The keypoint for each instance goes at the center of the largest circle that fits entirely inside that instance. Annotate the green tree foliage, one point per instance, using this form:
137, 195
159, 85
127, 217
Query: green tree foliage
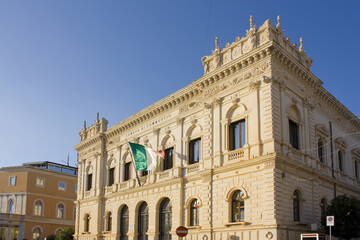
346, 212
66, 234
51, 237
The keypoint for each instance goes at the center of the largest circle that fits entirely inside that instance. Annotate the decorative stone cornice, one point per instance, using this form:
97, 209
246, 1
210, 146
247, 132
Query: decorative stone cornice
244, 55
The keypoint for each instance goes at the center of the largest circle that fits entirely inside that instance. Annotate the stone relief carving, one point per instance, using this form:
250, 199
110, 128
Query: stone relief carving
213, 91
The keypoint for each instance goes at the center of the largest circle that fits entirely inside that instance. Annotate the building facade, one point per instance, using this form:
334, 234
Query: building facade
255, 149
36, 200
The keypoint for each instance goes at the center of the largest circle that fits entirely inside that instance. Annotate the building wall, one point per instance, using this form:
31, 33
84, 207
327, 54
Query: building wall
25, 193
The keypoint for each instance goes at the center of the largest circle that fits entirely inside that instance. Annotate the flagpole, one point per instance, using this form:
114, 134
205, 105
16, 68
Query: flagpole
137, 177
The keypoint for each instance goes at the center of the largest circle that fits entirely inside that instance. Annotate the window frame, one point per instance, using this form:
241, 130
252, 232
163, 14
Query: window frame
341, 160
39, 232
196, 142
296, 205
356, 169
241, 134
40, 185
321, 150
87, 223
111, 177
63, 189
36, 208
194, 208
127, 171
124, 222
57, 211
241, 206
108, 222
89, 177
294, 134
10, 181
167, 163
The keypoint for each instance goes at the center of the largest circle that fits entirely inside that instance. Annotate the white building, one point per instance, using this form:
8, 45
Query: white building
255, 149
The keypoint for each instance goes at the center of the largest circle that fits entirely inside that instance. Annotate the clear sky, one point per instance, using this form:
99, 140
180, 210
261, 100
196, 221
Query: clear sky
61, 62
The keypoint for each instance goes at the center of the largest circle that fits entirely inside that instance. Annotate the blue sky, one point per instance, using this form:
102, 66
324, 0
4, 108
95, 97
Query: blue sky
61, 62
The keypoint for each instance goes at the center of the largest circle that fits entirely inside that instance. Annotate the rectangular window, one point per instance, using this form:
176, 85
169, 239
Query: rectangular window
89, 182
111, 176
54, 168
127, 171
61, 186
168, 160
40, 182
237, 135
75, 188
195, 151
12, 181
321, 150
294, 134
356, 170
341, 160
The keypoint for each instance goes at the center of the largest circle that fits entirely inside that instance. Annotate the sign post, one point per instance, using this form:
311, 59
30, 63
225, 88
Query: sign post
181, 231
330, 221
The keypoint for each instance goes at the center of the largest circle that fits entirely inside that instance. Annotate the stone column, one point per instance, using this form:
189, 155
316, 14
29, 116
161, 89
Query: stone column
216, 143
120, 165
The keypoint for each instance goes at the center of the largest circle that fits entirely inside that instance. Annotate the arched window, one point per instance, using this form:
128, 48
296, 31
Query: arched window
108, 224
296, 206
124, 223
58, 230
86, 222
11, 206
38, 208
36, 235
194, 212
321, 151
165, 216
143, 221
323, 206
60, 211
237, 206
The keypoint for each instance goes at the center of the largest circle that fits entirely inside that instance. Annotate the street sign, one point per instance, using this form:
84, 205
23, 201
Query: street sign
181, 231
330, 221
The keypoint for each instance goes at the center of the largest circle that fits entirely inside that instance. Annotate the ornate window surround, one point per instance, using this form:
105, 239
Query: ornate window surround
340, 148
188, 210
322, 133
293, 114
228, 199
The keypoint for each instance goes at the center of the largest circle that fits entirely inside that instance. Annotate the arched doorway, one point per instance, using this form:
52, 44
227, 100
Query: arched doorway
165, 215
143, 221
124, 223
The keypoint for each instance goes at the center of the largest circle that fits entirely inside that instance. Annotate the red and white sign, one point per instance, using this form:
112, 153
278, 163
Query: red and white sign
330, 221
181, 231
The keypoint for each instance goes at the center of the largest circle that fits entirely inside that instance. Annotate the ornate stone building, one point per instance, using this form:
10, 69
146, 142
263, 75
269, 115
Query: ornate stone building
255, 149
